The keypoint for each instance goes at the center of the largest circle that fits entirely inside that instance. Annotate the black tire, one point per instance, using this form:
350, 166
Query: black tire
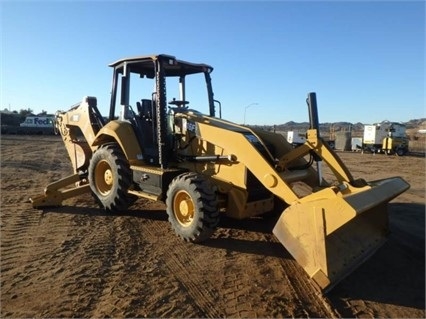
400, 151
110, 178
192, 207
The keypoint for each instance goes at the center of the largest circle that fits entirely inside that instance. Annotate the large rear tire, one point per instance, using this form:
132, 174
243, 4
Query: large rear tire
192, 207
110, 178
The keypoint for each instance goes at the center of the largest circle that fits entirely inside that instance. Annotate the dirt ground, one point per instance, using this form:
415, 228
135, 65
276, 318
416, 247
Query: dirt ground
77, 261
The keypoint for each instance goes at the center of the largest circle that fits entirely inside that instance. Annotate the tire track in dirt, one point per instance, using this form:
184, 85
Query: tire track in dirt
122, 295
16, 237
73, 262
24, 263
30, 238
134, 273
283, 290
310, 301
278, 287
50, 164
88, 256
239, 287
238, 291
203, 296
184, 266
235, 289
22, 247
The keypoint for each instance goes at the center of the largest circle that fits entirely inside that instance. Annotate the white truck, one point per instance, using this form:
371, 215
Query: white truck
38, 121
387, 137
41, 125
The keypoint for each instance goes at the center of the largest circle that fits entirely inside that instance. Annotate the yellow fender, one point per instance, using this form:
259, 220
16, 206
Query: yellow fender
122, 133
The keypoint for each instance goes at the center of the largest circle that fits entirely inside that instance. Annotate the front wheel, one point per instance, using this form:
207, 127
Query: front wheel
110, 178
192, 207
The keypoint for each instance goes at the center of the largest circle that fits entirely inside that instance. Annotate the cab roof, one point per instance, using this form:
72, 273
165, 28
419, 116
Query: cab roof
144, 65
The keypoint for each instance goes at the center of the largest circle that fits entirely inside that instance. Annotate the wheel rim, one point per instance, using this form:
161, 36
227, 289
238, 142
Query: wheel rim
104, 177
183, 208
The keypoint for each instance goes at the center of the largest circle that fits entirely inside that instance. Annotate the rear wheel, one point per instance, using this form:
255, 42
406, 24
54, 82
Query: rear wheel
192, 207
400, 151
110, 178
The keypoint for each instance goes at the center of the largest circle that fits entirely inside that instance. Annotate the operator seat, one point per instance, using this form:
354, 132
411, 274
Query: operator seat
139, 107
145, 109
146, 114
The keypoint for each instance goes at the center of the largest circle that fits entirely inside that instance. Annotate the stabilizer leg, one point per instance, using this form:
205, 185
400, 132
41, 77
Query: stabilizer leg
53, 196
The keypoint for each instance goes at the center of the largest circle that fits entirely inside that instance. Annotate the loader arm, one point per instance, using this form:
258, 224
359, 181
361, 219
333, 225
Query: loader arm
237, 140
239, 143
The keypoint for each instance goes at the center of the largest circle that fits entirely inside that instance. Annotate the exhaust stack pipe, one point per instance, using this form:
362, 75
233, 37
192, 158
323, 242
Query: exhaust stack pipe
311, 100
313, 112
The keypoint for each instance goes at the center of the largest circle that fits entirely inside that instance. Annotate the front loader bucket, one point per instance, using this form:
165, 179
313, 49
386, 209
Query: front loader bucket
331, 235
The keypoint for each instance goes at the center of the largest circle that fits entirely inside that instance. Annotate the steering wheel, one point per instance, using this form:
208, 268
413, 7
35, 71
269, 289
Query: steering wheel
178, 103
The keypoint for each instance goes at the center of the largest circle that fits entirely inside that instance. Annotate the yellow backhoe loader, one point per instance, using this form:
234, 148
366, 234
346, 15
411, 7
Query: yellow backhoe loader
202, 166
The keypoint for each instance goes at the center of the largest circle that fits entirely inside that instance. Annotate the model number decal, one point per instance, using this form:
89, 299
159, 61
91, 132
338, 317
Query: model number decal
190, 126
75, 118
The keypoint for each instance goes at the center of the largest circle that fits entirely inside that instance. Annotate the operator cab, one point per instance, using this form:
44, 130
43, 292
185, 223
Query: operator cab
146, 82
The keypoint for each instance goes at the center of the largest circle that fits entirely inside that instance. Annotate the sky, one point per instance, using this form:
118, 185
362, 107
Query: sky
364, 59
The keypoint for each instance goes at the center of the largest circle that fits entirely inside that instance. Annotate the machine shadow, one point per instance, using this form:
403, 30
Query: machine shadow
395, 274
262, 225
253, 247
156, 214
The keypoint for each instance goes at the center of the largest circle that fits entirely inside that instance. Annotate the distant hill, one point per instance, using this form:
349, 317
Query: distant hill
14, 118
328, 129
303, 126
336, 126
416, 124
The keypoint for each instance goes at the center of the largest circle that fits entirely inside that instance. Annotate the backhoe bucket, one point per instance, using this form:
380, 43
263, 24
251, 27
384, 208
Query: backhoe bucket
330, 234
